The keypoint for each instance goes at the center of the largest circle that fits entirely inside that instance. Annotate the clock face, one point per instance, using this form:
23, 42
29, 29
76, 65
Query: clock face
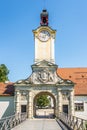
44, 35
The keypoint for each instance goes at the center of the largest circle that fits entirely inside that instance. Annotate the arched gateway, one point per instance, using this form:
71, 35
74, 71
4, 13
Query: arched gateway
50, 113
44, 78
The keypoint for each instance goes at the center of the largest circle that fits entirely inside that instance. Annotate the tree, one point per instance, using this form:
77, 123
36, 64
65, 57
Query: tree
3, 73
42, 101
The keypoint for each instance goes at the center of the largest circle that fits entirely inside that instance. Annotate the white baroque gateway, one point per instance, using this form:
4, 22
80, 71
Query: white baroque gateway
44, 78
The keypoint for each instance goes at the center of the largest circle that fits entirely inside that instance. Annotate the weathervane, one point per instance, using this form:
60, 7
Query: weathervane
44, 3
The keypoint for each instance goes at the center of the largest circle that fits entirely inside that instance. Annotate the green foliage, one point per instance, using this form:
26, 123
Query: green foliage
3, 73
42, 101
86, 124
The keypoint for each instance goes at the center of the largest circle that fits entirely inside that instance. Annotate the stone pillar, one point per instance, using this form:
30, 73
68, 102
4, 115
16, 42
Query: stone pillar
30, 105
17, 101
59, 104
72, 102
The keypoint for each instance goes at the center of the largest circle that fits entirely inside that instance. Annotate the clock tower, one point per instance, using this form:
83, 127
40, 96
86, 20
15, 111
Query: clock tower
44, 79
44, 40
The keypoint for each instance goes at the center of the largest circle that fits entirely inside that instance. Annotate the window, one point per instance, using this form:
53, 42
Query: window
79, 106
65, 109
23, 108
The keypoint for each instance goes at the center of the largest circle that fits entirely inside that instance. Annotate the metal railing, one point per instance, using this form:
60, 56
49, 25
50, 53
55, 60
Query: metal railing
9, 122
73, 123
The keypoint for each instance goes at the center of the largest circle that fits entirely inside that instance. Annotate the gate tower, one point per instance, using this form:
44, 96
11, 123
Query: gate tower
44, 78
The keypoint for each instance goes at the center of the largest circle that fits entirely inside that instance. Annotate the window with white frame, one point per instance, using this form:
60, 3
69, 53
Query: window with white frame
79, 106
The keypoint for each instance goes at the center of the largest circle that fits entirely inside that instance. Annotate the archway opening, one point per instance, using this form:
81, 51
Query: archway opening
44, 105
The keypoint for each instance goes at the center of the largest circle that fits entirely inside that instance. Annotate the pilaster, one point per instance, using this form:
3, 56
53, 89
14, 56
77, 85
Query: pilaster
52, 58
17, 101
59, 104
72, 102
30, 105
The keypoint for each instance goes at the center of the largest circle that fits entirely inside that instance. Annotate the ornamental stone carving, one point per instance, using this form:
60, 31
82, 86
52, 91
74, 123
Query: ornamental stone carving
24, 95
45, 76
65, 95
44, 72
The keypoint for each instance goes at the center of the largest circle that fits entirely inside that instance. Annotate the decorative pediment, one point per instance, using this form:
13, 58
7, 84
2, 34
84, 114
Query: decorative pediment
45, 77
44, 72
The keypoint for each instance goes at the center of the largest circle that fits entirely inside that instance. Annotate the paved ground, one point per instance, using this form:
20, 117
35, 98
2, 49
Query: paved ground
38, 124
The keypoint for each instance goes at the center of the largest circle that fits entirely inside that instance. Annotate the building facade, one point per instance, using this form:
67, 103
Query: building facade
47, 79
44, 79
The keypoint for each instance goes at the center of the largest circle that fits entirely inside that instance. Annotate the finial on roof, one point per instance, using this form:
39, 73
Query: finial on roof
44, 18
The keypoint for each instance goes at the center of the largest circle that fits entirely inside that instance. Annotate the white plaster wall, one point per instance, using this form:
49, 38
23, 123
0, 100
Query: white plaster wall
44, 50
6, 106
82, 114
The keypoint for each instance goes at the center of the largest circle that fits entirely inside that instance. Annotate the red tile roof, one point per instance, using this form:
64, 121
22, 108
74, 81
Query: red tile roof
6, 89
78, 76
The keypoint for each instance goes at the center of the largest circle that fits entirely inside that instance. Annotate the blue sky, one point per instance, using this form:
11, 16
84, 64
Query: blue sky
19, 17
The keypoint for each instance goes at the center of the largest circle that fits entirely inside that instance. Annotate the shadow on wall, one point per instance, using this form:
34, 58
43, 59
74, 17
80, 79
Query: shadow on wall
7, 101
9, 90
6, 106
